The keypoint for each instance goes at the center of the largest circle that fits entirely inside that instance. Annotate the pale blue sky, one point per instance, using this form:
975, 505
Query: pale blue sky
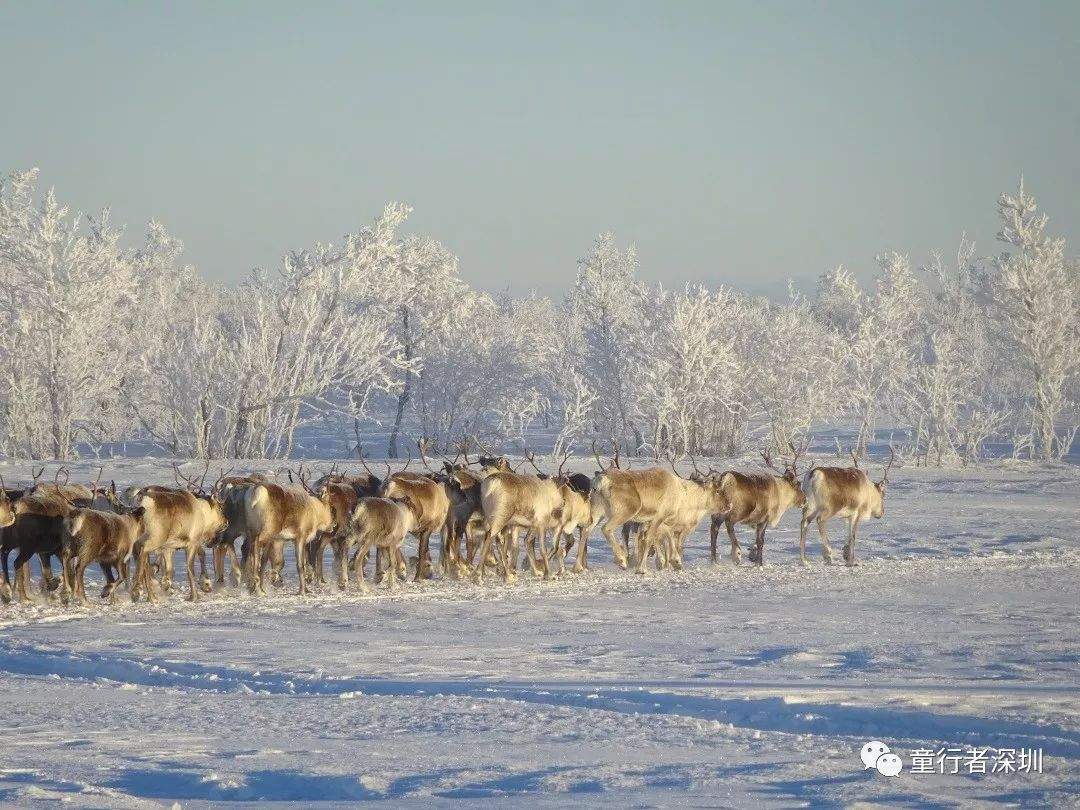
737, 143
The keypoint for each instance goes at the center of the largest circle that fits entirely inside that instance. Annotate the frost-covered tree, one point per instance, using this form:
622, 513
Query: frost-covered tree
604, 310
418, 289
300, 348
177, 384
67, 285
953, 399
1036, 302
799, 373
684, 357
876, 337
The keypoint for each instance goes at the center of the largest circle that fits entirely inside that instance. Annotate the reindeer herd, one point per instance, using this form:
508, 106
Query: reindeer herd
485, 515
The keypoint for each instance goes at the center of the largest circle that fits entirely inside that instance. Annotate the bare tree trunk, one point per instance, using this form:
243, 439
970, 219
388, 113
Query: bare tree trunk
406, 391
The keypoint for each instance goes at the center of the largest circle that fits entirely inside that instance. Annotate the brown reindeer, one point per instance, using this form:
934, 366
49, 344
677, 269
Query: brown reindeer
275, 514
175, 519
756, 500
431, 506
701, 495
382, 523
512, 502
649, 497
575, 515
107, 538
841, 492
341, 499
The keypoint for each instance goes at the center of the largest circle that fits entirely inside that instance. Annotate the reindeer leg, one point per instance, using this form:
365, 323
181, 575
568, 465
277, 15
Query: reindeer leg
759, 541
581, 565
237, 568
5, 584
617, 549
676, 552
826, 550
22, 575
80, 583
340, 547
361, 555
490, 533
807, 516
204, 582
189, 562
714, 532
849, 549
277, 570
391, 573
167, 576
423, 557
219, 563
110, 580
509, 549
301, 564
48, 582
736, 551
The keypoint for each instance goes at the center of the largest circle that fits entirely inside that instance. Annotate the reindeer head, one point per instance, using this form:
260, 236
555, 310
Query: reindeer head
790, 473
494, 464
879, 512
7, 510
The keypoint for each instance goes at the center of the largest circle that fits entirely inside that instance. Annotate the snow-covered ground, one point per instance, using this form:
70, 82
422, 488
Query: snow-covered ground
716, 686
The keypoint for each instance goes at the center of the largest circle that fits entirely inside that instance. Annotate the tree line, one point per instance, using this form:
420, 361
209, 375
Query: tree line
102, 342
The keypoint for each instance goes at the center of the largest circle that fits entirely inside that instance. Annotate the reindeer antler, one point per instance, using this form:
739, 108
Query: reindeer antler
531, 458
671, 463
795, 453
304, 478
37, 475
363, 461
892, 458
766, 456
566, 456
66, 474
422, 445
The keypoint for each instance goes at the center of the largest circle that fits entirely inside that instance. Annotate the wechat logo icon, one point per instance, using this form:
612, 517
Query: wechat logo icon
876, 754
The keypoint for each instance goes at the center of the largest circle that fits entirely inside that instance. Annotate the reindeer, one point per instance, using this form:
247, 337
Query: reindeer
465, 517
575, 515
341, 499
756, 500
650, 497
701, 495
175, 519
7, 511
276, 513
37, 529
511, 502
232, 492
382, 523
107, 538
78, 495
431, 506
841, 492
